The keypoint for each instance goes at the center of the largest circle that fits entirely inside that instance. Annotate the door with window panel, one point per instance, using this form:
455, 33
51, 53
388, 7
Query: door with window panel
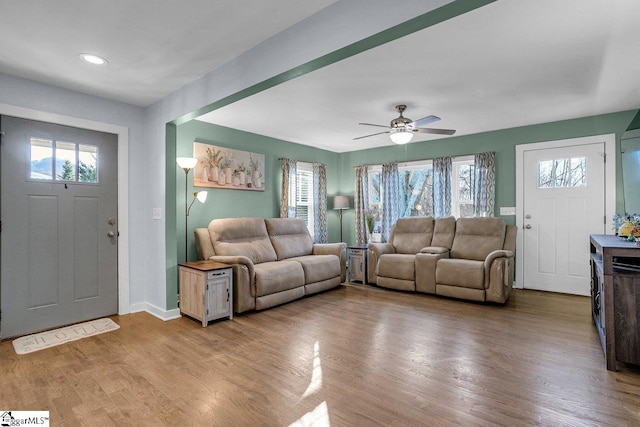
59, 225
564, 202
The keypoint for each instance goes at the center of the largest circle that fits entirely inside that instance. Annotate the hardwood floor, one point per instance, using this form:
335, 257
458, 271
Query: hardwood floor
353, 356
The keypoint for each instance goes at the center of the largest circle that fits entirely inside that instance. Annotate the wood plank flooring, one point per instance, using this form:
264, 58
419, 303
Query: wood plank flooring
353, 356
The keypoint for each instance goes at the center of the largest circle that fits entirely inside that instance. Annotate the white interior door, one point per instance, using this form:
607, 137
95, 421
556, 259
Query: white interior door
59, 225
564, 202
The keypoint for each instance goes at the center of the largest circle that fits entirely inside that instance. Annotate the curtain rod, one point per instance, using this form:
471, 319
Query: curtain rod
422, 160
303, 161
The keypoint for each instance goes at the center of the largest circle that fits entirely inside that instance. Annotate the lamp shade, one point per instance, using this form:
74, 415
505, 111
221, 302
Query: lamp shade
186, 162
341, 202
201, 196
401, 136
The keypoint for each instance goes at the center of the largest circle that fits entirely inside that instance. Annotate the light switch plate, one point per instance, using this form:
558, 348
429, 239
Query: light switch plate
507, 211
157, 213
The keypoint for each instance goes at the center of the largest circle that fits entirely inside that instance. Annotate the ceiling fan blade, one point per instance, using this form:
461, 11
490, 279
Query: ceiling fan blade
425, 121
435, 131
371, 124
373, 134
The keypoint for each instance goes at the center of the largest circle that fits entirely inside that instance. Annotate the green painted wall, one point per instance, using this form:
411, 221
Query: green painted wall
635, 123
503, 142
223, 203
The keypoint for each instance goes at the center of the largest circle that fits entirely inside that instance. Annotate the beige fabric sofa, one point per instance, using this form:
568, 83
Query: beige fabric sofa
468, 258
274, 260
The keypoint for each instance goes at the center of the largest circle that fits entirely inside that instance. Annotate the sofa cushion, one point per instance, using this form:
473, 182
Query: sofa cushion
412, 234
278, 276
319, 267
476, 237
397, 266
460, 272
289, 237
242, 236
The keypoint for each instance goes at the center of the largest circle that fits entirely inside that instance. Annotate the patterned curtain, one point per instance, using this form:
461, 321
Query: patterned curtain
442, 177
361, 202
288, 201
484, 190
390, 183
320, 232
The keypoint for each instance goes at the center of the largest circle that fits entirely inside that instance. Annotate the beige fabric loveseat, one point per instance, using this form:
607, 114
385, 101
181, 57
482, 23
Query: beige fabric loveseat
468, 258
274, 260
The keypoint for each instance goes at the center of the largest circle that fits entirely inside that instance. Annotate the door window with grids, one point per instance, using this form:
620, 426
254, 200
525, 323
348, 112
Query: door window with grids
567, 172
53, 160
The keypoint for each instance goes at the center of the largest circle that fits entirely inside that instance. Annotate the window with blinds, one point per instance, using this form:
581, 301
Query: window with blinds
304, 194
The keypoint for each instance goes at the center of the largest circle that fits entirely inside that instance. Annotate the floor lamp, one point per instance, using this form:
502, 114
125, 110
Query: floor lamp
340, 203
188, 163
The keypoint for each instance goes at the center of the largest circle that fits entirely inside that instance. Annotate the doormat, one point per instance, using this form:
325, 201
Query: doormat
42, 340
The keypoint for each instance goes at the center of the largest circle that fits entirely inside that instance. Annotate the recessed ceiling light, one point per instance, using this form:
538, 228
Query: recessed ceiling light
93, 59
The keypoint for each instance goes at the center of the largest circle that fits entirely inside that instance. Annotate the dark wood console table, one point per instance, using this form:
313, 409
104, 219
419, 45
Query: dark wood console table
615, 298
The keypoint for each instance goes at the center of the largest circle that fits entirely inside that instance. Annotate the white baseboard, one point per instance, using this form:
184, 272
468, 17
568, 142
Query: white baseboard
155, 311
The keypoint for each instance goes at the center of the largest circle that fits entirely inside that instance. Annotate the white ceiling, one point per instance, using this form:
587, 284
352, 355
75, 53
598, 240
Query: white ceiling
507, 64
510, 63
153, 48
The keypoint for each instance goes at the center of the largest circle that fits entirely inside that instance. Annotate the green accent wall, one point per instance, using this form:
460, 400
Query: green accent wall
635, 123
503, 142
227, 203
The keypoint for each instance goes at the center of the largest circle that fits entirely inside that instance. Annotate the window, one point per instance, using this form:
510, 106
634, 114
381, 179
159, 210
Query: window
63, 161
303, 205
416, 179
375, 196
562, 173
462, 187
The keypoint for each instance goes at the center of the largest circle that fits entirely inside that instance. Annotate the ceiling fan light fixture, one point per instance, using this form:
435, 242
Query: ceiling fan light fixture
401, 136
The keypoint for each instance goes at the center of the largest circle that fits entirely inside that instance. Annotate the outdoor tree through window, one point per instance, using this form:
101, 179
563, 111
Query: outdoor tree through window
416, 192
63, 161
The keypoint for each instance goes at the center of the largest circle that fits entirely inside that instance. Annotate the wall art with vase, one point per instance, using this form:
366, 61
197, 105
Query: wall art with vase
221, 167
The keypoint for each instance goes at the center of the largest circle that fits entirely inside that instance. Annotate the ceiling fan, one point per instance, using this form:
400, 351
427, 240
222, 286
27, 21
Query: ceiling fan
401, 129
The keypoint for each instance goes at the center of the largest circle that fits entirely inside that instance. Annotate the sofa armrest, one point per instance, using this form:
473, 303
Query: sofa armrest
243, 281
338, 249
381, 248
426, 264
434, 250
329, 248
501, 253
376, 250
498, 276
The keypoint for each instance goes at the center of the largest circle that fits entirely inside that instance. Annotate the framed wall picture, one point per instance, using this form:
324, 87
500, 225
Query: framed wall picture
221, 167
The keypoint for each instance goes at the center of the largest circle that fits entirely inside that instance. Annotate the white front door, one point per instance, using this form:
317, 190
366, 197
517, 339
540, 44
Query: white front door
59, 225
563, 202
